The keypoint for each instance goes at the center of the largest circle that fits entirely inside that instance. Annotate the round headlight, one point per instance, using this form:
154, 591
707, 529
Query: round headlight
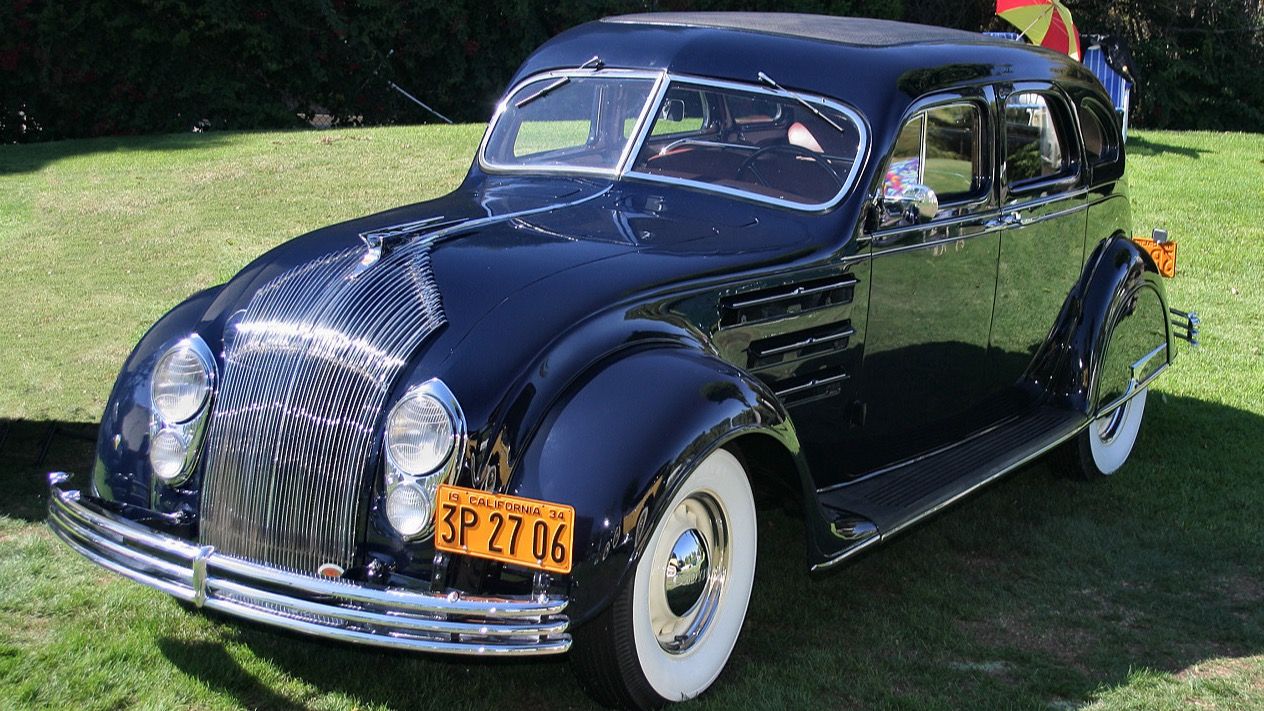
419, 435
408, 509
167, 451
181, 382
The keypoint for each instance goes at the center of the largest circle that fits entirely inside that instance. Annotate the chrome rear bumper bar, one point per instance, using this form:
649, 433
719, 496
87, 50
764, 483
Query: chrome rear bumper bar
451, 623
1187, 325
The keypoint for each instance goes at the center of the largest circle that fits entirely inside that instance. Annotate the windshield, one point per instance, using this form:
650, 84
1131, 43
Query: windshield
735, 140
763, 143
568, 122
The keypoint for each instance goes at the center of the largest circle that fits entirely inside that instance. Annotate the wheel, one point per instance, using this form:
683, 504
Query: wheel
1103, 447
669, 631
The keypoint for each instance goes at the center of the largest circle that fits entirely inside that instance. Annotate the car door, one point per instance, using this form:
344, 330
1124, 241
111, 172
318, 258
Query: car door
1043, 213
926, 376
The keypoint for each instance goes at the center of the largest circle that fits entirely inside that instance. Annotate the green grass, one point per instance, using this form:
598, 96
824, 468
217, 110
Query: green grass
1144, 591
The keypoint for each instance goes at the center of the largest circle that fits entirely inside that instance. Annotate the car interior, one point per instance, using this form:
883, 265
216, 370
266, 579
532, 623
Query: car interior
751, 142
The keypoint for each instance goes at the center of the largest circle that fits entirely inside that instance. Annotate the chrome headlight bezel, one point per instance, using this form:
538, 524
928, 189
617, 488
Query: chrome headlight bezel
400, 481
190, 430
194, 348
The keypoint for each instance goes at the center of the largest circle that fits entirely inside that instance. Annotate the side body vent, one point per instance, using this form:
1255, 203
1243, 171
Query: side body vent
780, 302
796, 337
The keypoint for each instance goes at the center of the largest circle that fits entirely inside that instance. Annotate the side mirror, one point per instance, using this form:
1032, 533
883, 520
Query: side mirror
917, 203
673, 110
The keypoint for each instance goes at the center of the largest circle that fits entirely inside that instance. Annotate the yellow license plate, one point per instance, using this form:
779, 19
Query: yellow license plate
509, 529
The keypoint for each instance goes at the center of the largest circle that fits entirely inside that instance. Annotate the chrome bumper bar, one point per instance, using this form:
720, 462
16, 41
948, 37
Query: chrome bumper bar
1187, 325
449, 623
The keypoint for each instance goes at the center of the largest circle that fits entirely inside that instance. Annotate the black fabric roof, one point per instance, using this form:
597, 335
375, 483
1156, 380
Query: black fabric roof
843, 30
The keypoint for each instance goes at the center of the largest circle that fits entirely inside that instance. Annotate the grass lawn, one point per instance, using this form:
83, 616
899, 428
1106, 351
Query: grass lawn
1145, 591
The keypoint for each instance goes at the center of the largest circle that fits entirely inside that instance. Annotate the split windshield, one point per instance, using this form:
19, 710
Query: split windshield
723, 137
573, 123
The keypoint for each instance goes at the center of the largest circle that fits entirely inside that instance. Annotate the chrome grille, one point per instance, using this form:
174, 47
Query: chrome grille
308, 367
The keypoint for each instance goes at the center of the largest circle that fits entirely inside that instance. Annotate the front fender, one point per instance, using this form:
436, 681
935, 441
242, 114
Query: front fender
121, 471
623, 438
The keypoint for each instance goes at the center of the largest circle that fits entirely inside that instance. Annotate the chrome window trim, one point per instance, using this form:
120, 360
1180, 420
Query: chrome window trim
652, 99
664, 81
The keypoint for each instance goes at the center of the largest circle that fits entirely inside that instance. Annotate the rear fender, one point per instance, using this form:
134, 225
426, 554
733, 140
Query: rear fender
1121, 322
621, 441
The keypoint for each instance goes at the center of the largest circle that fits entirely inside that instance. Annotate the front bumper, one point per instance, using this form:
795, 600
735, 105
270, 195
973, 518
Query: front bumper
450, 623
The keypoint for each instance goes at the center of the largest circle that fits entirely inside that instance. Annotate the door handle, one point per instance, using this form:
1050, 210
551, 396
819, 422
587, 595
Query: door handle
1009, 219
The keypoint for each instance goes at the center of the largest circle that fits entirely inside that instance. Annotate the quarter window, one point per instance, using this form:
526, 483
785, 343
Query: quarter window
1035, 149
1099, 141
939, 148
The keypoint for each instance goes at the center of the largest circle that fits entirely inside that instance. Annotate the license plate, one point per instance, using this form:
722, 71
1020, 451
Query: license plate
509, 529
1163, 254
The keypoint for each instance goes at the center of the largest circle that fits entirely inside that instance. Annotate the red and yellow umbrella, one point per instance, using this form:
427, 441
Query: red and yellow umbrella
1045, 22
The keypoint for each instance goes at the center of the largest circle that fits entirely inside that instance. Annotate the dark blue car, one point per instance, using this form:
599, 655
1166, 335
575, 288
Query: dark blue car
869, 265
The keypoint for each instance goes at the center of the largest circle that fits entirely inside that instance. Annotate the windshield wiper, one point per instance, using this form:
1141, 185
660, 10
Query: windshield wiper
561, 81
764, 78
595, 63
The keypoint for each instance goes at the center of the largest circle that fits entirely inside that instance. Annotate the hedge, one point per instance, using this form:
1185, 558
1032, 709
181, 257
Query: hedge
99, 67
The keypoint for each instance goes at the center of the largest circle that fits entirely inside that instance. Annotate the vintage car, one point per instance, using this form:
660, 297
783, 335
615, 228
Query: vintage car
872, 265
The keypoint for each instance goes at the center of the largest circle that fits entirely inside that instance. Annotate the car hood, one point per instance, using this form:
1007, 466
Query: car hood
516, 264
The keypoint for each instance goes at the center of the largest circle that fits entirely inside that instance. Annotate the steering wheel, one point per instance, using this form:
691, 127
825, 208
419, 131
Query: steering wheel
796, 151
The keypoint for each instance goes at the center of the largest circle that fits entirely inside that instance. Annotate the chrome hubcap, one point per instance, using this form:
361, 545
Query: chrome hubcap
686, 574
691, 563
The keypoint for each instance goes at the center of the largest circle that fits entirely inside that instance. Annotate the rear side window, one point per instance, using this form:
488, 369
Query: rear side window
1035, 148
1097, 126
941, 149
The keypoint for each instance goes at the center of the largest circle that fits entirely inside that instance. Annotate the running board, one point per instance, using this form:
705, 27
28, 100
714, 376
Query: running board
885, 502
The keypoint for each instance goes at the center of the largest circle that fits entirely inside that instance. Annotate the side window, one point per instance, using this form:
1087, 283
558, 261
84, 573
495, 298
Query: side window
1034, 149
940, 148
1100, 143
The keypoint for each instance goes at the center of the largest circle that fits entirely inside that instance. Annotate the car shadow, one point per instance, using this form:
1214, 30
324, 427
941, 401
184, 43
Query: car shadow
1138, 145
29, 449
1038, 591
211, 664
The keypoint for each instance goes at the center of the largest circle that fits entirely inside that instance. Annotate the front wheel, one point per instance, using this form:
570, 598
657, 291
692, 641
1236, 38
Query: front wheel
670, 630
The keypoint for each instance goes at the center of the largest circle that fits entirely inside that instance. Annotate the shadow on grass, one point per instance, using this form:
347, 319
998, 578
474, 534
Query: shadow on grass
1039, 591
1141, 146
214, 666
30, 157
29, 450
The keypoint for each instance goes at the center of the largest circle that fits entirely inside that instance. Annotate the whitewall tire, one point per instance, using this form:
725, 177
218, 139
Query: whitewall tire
1105, 445
670, 631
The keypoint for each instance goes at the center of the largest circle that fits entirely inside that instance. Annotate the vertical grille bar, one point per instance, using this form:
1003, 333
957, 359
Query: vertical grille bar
308, 368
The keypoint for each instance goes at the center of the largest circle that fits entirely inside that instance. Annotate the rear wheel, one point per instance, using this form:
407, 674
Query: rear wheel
671, 628
1103, 447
